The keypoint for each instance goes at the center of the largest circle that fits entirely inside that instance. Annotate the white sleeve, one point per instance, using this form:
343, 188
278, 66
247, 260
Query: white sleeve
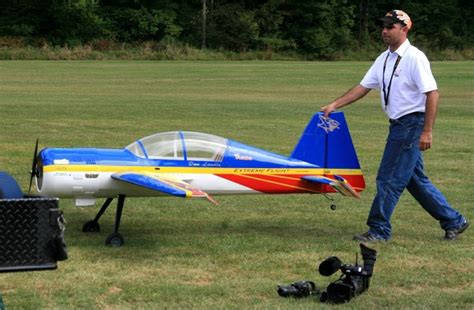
370, 79
422, 75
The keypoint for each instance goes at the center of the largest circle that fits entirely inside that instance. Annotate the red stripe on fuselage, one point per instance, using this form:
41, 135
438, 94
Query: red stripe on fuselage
273, 184
284, 184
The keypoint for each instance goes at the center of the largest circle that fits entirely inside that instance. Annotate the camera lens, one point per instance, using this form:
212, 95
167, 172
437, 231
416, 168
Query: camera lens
297, 289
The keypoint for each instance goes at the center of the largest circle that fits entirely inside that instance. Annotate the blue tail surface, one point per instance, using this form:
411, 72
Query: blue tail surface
326, 142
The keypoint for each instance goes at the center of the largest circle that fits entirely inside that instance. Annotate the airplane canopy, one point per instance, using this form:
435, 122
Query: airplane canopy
180, 145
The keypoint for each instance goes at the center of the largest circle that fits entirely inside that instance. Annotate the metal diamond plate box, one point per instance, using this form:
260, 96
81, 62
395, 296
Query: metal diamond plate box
31, 234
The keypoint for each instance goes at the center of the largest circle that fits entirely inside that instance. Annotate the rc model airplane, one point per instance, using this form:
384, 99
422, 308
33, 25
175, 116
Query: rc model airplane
194, 165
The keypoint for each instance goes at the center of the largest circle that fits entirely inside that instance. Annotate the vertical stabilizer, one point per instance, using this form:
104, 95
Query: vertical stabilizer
327, 143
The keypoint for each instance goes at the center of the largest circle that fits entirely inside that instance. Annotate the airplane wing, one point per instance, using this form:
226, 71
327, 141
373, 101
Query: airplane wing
167, 185
339, 184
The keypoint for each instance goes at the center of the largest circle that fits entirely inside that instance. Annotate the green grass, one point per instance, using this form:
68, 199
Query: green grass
191, 254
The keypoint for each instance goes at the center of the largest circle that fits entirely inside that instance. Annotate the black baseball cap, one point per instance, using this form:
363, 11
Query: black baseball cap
395, 17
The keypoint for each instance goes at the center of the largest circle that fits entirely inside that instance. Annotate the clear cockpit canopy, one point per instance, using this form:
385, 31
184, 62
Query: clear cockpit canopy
180, 145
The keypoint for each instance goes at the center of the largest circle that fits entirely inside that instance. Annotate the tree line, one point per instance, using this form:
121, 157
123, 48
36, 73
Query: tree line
315, 28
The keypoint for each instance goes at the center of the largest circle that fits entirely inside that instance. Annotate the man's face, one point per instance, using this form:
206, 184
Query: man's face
394, 34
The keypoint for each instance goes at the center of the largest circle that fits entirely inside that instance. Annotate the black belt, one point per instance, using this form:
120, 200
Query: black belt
410, 114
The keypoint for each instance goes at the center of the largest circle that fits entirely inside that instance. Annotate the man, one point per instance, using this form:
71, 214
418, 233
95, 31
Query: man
410, 100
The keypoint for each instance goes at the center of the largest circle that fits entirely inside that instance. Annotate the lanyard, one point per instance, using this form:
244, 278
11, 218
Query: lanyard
386, 92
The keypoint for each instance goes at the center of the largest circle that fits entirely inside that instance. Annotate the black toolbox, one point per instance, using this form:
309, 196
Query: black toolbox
31, 234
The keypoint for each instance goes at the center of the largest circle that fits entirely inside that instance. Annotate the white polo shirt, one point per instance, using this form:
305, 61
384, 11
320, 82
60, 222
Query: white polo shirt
411, 79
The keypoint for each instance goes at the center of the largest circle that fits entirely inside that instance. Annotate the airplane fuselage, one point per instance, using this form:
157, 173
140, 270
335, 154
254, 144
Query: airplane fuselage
86, 174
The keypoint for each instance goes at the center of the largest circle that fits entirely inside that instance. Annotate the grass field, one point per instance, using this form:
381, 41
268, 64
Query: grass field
191, 254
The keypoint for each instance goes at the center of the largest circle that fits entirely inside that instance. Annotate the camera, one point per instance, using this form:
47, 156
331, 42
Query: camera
297, 289
355, 279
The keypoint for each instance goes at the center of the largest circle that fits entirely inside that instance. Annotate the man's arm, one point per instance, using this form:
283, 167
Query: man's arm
353, 94
426, 138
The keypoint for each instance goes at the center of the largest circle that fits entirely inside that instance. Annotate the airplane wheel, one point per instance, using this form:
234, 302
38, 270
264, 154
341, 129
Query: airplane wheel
91, 226
333, 207
115, 240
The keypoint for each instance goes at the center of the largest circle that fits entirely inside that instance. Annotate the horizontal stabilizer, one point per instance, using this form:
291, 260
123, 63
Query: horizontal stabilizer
166, 185
339, 184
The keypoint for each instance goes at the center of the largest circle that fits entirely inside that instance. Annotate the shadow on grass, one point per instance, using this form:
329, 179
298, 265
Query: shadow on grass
198, 229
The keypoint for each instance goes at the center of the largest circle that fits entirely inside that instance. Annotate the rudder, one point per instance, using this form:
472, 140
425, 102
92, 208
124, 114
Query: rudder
326, 142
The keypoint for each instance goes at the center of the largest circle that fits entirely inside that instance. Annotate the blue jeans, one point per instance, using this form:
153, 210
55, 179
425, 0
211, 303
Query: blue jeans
402, 167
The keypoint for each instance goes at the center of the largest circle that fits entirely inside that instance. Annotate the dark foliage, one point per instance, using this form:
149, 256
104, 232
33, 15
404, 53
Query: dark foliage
315, 28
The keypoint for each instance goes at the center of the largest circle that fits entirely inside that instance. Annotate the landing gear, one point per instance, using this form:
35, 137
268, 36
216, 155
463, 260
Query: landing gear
333, 205
115, 239
91, 226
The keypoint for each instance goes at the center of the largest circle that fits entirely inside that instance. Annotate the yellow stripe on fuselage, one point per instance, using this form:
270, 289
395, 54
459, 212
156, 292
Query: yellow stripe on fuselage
197, 170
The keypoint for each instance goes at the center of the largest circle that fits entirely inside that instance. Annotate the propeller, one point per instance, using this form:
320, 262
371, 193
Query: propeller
34, 170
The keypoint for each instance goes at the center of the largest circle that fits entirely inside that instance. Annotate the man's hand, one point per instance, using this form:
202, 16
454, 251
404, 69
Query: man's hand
426, 139
353, 94
327, 109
